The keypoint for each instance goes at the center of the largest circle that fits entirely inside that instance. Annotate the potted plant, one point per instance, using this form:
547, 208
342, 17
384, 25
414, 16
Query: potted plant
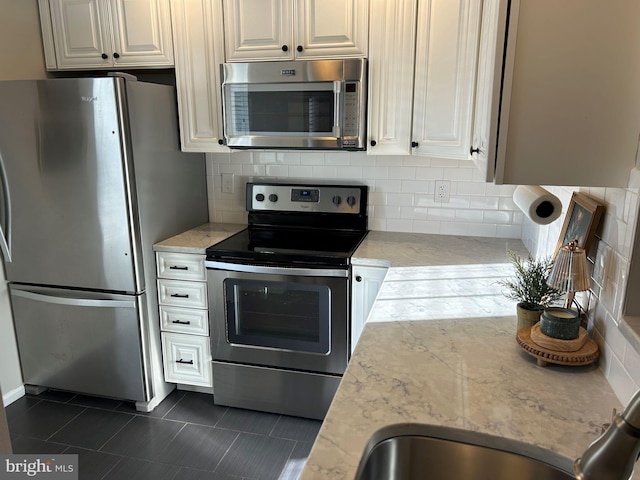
529, 287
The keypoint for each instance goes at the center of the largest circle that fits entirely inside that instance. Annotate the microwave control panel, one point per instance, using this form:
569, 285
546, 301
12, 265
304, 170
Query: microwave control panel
351, 112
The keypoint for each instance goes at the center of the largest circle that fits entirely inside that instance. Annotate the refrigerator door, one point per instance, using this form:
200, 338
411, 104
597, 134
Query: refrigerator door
63, 149
86, 342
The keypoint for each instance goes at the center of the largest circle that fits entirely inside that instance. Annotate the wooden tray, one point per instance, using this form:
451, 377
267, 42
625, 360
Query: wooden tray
557, 344
587, 354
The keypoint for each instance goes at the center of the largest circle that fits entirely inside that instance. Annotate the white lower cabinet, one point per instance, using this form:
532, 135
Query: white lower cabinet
187, 359
366, 284
184, 318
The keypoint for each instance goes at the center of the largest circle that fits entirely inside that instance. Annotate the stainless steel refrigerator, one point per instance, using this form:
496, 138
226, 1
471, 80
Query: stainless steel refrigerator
92, 175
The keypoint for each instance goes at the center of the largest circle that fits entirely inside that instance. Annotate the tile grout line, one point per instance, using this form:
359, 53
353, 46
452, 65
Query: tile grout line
84, 409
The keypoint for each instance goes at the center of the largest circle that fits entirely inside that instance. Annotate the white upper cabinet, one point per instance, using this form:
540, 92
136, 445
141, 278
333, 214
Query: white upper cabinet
295, 29
446, 56
423, 57
487, 103
106, 34
570, 109
199, 51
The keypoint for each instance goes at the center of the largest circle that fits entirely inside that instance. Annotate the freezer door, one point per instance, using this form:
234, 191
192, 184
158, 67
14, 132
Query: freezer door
62, 148
84, 342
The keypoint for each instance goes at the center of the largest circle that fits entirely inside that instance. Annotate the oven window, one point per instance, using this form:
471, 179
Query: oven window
283, 315
285, 110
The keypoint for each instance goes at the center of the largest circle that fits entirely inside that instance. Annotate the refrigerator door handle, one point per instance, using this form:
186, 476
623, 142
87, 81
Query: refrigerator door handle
5, 235
76, 302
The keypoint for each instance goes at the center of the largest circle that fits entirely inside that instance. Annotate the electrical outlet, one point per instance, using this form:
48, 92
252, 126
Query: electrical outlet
227, 183
442, 191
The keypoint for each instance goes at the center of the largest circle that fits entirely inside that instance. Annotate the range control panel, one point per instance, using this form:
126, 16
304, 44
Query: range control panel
280, 197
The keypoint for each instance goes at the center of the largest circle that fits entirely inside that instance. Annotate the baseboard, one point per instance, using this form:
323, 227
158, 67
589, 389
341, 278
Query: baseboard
12, 395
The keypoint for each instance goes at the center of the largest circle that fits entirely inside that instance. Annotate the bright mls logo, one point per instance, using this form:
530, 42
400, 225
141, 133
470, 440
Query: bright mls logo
52, 467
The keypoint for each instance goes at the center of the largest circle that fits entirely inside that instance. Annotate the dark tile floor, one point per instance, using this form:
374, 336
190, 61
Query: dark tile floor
186, 437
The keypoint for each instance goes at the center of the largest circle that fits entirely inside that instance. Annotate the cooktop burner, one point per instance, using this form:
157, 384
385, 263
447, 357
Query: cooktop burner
286, 246
298, 224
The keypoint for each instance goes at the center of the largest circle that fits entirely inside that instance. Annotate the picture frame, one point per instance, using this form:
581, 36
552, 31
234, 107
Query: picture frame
581, 222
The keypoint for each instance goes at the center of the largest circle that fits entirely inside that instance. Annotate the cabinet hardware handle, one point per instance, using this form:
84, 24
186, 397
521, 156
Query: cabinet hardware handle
285, 48
299, 48
358, 278
220, 142
473, 150
188, 362
414, 144
116, 55
180, 295
104, 56
373, 143
176, 267
181, 322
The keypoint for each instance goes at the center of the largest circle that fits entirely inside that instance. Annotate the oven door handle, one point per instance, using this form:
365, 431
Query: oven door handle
299, 272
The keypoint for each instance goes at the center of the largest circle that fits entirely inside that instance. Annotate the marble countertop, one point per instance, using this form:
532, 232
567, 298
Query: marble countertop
198, 239
439, 348
463, 373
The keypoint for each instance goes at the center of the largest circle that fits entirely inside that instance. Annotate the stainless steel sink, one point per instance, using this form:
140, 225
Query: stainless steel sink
426, 452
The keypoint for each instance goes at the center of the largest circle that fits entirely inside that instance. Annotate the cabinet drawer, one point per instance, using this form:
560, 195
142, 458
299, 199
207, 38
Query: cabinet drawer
184, 320
186, 359
182, 294
181, 266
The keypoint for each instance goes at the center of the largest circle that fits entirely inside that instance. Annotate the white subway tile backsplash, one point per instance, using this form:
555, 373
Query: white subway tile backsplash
471, 188
498, 217
325, 172
277, 170
469, 215
429, 173
401, 189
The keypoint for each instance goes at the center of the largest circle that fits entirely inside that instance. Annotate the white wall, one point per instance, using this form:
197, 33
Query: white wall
402, 190
21, 57
619, 362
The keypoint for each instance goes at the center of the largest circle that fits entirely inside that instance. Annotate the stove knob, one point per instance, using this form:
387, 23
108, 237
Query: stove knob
260, 197
351, 200
337, 200
273, 197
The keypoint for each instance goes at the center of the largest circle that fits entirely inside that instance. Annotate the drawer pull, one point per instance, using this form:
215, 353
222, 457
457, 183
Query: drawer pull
177, 267
180, 295
181, 322
188, 362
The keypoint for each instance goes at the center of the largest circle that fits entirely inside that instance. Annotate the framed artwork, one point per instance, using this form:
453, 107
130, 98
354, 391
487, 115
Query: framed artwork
581, 222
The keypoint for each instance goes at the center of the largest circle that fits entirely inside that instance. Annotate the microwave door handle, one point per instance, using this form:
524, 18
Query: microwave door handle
5, 235
337, 109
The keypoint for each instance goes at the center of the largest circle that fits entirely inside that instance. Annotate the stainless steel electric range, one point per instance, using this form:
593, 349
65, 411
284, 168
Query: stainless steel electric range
279, 294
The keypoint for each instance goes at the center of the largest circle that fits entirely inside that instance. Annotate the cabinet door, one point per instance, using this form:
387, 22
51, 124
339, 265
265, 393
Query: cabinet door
570, 112
391, 60
141, 33
81, 33
367, 281
491, 50
331, 28
258, 30
199, 51
447, 43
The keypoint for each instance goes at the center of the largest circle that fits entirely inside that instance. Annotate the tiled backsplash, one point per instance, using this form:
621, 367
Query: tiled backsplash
620, 362
402, 190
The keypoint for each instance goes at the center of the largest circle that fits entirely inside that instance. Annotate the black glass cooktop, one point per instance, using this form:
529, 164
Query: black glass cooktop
287, 247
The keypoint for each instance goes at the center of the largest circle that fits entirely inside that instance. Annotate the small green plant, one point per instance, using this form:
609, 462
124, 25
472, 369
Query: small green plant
529, 285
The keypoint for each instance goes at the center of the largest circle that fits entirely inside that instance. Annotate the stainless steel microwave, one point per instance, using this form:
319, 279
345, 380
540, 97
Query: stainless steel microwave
311, 104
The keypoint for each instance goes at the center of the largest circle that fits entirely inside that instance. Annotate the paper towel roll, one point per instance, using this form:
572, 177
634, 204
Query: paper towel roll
540, 205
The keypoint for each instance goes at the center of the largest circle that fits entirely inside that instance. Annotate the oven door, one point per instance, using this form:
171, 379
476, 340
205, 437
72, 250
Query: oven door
279, 317
283, 115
